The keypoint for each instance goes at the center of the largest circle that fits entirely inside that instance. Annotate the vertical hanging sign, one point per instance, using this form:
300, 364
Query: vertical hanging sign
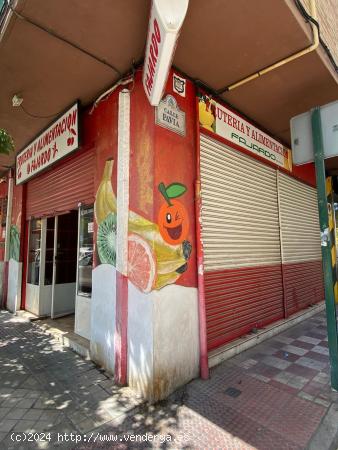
166, 19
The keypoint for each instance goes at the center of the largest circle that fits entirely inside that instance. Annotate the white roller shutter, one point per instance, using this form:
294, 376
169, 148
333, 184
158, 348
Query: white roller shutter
299, 218
300, 243
240, 233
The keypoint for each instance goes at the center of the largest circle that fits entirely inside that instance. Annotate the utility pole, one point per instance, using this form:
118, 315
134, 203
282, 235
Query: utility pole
317, 137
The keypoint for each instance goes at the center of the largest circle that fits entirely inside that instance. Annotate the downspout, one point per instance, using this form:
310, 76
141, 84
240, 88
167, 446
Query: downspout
284, 61
204, 367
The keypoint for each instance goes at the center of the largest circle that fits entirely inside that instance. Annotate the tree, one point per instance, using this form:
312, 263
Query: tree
6, 142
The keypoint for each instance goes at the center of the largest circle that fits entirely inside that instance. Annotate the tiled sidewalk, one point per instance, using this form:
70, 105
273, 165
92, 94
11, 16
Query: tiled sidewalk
274, 396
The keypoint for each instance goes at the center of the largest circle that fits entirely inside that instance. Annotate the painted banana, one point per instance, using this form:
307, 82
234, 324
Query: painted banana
105, 201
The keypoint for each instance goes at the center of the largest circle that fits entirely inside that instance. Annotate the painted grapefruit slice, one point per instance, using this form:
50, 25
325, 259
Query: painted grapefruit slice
141, 263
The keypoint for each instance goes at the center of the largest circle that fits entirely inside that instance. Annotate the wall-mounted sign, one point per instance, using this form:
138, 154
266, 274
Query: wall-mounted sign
222, 121
169, 115
57, 141
179, 84
301, 134
166, 19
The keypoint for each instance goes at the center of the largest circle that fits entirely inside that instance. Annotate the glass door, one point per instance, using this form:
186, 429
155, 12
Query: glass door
65, 257
40, 266
33, 266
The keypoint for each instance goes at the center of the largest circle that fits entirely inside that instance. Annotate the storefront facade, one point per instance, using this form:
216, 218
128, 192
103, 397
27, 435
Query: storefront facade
107, 231
260, 228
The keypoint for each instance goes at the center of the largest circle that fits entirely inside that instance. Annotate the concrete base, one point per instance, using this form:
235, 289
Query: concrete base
14, 285
244, 343
163, 345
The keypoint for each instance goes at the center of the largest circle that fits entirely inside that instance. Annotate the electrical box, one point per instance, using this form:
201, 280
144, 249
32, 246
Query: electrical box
301, 134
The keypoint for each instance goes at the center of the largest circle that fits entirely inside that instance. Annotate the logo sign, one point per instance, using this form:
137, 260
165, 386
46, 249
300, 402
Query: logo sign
169, 115
222, 121
57, 141
179, 85
166, 19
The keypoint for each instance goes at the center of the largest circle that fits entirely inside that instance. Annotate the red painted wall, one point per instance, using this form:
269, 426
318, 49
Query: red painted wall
305, 173
100, 134
159, 155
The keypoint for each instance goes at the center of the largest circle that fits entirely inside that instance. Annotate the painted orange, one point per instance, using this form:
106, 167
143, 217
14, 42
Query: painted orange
173, 222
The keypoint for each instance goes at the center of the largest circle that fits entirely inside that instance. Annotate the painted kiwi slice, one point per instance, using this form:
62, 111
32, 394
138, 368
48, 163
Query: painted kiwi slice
106, 240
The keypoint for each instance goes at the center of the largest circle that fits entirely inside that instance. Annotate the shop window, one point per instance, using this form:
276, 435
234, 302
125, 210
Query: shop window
3, 211
34, 254
49, 251
85, 261
66, 251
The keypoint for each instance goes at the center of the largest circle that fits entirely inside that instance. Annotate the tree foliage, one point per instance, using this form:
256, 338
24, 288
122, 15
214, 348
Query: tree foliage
6, 142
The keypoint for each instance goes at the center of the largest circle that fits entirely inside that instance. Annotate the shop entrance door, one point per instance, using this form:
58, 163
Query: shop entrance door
65, 262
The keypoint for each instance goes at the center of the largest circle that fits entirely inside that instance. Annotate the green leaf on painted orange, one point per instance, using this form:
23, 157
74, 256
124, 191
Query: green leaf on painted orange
175, 190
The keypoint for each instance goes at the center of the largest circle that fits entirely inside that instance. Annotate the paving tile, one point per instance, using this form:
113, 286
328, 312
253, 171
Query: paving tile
306, 396
26, 403
295, 350
16, 413
320, 349
322, 378
3, 435
313, 388
310, 363
6, 425
4, 412
276, 362
284, 339
291, 379
33, 414
310, 340
248, 363
303, 371
23, 426
261, 377
323, 402
297, 420
284, 387
301, 344
291, 357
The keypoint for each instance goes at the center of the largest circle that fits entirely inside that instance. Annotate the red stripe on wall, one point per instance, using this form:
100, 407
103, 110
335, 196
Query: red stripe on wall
121, 329
303, 284
238, 300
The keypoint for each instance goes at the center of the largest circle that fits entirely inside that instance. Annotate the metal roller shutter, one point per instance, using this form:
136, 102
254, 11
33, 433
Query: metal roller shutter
241, 241
300, 243
63, 186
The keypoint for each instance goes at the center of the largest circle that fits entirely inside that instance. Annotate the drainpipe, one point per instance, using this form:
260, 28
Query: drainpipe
204, 367
284, 61
7, 236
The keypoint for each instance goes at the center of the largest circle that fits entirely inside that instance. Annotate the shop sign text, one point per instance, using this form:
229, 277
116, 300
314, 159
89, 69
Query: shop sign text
57, 141
229, 125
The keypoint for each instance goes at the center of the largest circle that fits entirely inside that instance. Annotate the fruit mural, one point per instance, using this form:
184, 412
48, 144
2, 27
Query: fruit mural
206, 110
157, 253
